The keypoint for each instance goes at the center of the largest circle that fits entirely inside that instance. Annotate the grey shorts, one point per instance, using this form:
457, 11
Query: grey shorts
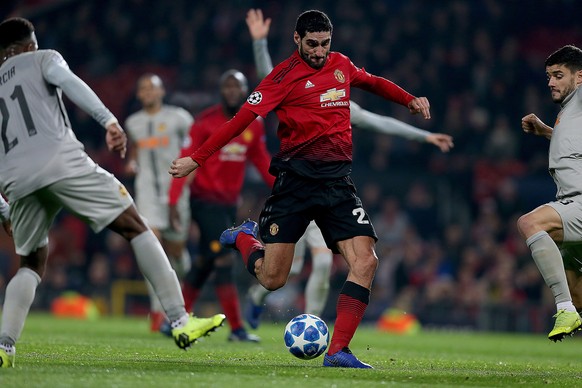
570, 211
97, 199
157, 215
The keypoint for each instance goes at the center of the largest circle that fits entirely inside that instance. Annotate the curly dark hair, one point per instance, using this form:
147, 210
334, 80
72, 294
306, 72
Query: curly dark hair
312, 21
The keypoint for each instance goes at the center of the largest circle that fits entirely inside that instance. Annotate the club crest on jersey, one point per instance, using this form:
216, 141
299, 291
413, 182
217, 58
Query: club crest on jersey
123, 191
274, 229
162, 127
309, 84
339, 76
255, 98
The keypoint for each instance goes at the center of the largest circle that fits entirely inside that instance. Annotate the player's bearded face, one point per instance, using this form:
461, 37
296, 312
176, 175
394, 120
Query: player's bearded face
314, 48
562, 81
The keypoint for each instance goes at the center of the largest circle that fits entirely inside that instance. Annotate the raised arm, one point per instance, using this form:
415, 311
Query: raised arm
364, 119
361, 118
259, 29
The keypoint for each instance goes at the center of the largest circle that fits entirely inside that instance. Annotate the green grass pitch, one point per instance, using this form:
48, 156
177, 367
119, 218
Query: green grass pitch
121, 352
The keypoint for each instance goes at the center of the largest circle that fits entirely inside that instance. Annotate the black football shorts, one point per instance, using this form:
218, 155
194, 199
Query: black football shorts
296, 200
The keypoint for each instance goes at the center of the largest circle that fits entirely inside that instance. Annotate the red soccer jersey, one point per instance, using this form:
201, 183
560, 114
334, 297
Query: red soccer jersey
221, 178
313, 110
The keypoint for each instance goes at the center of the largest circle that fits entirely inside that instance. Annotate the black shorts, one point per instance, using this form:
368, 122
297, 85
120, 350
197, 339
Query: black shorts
296, 200
212, 220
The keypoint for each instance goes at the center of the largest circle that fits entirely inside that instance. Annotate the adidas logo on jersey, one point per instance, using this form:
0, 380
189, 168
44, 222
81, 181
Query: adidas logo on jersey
308, 84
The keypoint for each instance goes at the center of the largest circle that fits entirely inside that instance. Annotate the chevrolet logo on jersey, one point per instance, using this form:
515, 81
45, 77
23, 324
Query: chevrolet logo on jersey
331, 97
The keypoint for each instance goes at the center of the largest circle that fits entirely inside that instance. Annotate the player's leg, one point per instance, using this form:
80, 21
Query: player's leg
317, 288
103, 201
179, 255
353, 300
31, 218
211, 220
228, 297
157, 315
257, 293
541, 229
347, 228
269, 263
174, 241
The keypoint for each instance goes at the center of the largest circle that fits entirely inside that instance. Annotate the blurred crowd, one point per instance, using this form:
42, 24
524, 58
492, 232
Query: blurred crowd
448, 245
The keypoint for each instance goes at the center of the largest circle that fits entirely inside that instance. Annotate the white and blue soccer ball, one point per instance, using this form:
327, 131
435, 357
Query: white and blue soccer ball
306, 336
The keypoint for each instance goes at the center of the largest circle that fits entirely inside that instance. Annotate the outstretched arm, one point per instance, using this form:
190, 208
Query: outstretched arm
181, 167
57, 72
364, 119
259, 29
532, 124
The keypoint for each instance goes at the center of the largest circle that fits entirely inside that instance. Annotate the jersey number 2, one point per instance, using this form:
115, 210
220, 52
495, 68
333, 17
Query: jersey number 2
17, 95
361, 215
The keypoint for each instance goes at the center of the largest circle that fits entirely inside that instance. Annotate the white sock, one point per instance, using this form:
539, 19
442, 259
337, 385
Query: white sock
568, 306
317, 288
180, 322
9, 349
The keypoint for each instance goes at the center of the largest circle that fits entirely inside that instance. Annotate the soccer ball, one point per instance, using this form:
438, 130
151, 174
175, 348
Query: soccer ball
306, 336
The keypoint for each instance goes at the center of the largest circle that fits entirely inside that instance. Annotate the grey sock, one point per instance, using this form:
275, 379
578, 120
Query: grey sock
18, 299
156, 268
549, 261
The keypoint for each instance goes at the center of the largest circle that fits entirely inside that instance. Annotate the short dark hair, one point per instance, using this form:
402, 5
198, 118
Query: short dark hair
15, 30
312, 21
569, 56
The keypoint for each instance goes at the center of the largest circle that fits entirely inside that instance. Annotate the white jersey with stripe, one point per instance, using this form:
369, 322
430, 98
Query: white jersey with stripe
159, 138
38, 145
565, 154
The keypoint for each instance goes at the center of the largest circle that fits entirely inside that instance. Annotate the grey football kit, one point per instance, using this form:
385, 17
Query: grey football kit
159, 139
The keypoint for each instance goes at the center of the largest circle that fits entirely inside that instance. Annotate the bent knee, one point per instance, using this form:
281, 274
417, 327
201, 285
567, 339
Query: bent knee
273, 283
526, 224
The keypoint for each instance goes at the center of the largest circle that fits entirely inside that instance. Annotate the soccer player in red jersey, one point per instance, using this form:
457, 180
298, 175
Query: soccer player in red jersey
310, 94
214, 194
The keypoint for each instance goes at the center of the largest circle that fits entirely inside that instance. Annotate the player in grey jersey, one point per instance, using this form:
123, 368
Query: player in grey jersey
317, 287
559, 223
44, 168
157, 133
